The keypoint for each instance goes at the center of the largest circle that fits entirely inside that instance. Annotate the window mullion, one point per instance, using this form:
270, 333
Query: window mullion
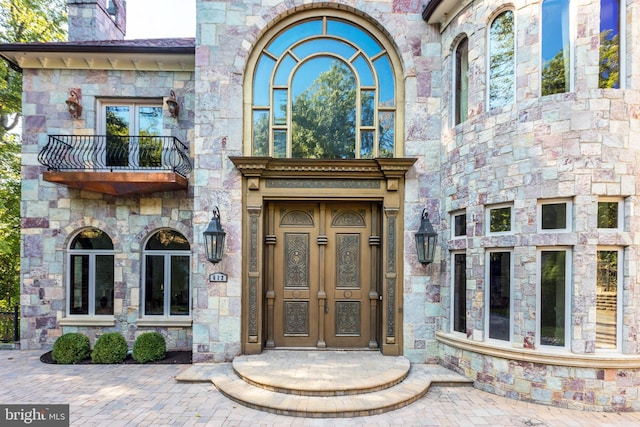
92, 285
167, 285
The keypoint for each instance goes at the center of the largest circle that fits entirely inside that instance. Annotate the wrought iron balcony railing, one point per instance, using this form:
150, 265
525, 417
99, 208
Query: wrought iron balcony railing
115, 153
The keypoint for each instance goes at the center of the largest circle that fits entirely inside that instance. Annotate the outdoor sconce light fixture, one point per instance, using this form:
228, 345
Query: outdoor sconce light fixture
426, 239
73, 104
214, 238
172, 104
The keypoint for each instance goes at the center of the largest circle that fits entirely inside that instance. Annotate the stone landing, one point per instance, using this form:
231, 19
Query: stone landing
323, 384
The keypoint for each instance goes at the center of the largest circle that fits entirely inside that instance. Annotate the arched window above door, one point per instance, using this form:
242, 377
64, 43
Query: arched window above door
324, 87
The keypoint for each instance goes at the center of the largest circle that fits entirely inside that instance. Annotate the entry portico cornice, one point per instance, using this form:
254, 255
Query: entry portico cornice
269, 167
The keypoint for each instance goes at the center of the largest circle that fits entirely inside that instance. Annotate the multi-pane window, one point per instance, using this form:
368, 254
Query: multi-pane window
609, 76
499, 219
166, 290
554, 216
610, 214
133, 131
498, 307
556, 50
459, 224
461, 82
608, 298
324, 88
553, 291
502, 60
459, 274
90, 280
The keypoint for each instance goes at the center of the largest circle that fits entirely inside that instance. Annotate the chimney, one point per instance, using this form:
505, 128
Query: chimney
92, 20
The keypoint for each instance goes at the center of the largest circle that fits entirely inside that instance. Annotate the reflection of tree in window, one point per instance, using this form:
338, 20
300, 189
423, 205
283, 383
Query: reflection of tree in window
607, 299
609, 76
324, 114
607, 214
501, 60
500, 220
555, 47
461, 93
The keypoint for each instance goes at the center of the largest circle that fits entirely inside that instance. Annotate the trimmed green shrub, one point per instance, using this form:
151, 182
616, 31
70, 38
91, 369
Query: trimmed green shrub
149, 347
71, 348
110, 348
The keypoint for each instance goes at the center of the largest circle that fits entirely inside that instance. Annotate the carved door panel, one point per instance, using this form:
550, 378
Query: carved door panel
323, 276
348, 276
295, 274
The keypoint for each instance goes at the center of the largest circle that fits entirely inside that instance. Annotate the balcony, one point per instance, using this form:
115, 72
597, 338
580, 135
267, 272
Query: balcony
117, 165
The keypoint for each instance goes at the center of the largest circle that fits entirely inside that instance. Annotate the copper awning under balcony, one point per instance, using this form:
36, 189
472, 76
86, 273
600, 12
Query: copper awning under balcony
117, 165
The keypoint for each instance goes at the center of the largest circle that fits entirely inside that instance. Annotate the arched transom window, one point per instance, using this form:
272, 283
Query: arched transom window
324, 88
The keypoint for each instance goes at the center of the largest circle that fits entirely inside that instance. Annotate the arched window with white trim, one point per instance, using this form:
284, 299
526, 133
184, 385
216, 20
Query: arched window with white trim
91, 274
166, 280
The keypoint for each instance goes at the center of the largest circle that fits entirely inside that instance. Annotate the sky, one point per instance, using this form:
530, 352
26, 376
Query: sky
152, 19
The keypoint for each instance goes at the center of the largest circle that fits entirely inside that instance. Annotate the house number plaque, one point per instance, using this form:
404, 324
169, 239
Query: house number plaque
218, 277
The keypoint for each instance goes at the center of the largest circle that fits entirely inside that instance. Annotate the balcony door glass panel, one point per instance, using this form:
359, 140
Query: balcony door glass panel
132, 135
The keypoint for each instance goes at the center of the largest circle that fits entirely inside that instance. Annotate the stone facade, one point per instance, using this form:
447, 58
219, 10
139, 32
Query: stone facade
577, 146
53, 214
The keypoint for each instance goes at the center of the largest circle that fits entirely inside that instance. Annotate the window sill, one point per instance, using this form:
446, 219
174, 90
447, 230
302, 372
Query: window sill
87, 321
165, 321
543, 356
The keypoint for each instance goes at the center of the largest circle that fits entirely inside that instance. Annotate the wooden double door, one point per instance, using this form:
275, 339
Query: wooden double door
322, 274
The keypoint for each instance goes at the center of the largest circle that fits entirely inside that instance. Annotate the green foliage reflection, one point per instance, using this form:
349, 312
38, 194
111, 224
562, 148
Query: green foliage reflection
324, 116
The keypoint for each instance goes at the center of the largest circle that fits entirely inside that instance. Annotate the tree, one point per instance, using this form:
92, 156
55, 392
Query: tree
25, 21
10, 221
22, 21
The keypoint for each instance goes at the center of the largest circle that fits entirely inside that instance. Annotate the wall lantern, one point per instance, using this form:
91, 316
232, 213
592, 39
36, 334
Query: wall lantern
172, 104
73, 104
426, 239
214, 238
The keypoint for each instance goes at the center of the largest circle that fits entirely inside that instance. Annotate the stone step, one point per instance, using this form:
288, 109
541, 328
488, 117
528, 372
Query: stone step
412, 388
323, 384
311, 374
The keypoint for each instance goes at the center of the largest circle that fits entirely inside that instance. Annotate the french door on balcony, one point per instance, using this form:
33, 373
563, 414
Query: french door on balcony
131, 129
